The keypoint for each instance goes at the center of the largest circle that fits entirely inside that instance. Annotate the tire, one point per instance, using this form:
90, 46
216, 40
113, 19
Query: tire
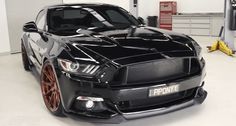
50, 90
25, 58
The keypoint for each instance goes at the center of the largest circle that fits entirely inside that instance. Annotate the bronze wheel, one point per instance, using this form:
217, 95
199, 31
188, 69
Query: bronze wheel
50, 90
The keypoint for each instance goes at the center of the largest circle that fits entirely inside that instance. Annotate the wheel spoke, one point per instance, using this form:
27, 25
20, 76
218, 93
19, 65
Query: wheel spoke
46, 83
55, 100
49, 91
52, 74
48, 76
51, 99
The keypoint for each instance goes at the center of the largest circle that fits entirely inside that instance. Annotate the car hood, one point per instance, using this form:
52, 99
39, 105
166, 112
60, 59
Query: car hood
132, 42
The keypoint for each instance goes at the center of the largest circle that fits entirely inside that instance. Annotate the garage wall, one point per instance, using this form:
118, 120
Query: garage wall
18, 13
151, 7
148, 8
122, 3
4, 37
199, 6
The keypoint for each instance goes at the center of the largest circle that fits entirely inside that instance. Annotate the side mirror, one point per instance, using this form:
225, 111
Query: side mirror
141, 20
30, 27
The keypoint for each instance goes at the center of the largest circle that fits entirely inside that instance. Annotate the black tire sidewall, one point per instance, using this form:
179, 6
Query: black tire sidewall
25, 59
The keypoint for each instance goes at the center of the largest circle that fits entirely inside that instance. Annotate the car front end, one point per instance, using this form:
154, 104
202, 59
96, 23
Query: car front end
121, 90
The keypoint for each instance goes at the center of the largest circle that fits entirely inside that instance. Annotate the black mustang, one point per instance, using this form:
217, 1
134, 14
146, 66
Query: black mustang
96, 61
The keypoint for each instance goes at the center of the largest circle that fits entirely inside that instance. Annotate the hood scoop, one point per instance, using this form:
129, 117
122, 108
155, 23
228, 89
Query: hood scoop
98, 37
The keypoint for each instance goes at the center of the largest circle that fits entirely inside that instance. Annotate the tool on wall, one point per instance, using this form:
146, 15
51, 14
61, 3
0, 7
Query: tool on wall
226, 42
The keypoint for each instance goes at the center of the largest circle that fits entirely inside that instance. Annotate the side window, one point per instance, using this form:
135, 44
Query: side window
116, 17
40, 21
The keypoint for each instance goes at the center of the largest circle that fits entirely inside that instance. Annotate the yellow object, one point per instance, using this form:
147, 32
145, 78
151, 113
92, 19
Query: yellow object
222, 46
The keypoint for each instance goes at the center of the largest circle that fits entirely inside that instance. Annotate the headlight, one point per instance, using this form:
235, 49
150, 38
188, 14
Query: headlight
198, 49
76, 68
200, 55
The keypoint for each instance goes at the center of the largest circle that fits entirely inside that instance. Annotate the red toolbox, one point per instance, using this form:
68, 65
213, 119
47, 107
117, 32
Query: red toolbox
167, 9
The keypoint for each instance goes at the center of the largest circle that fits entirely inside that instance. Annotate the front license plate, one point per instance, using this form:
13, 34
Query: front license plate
164, 90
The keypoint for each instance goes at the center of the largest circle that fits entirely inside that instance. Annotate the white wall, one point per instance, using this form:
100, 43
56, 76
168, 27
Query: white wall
199, 6
151, 7
4, 37
148, 8
121, 3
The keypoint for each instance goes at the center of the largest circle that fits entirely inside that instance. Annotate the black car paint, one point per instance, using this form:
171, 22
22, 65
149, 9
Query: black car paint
116, 49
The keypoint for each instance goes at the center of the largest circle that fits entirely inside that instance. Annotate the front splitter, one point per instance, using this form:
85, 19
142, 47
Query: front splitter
121, 117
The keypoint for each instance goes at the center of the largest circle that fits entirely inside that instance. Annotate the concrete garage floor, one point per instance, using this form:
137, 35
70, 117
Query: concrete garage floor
22, 104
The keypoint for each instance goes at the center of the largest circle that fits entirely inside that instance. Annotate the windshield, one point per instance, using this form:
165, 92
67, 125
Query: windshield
68, 20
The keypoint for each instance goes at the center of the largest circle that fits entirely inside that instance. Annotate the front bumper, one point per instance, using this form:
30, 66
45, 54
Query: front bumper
119, 117
111, 113
114, 108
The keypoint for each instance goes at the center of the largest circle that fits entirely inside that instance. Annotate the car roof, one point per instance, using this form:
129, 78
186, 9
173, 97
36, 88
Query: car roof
79, 4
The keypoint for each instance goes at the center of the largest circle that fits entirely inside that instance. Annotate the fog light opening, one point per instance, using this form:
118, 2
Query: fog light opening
89, 104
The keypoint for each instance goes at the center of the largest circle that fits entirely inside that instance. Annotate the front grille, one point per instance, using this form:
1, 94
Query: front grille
153, 71
160, 71
157, 102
